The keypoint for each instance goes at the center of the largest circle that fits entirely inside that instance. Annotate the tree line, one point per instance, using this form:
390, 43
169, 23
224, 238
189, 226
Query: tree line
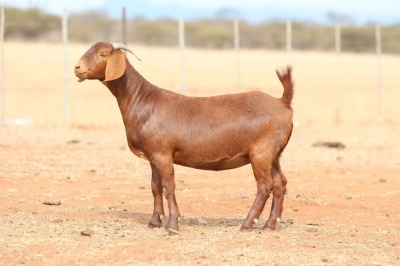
215, 33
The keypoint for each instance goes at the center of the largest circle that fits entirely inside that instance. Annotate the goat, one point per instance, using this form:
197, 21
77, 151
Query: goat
210, 133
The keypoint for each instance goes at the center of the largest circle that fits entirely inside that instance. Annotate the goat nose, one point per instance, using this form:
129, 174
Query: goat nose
77, 66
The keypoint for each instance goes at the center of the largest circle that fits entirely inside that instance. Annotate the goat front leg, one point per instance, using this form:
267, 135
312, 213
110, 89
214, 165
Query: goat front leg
156, 188
165, 168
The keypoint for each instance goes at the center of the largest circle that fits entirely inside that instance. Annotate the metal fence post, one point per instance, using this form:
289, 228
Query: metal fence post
2, 87
182, 48
237, 49
378, 40
338, 49
66, 67
289, 39
124, 34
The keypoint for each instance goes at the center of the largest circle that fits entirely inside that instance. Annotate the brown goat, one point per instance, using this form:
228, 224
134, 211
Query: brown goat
210, 133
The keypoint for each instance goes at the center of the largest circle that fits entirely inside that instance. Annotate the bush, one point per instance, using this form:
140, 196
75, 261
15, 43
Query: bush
94, 26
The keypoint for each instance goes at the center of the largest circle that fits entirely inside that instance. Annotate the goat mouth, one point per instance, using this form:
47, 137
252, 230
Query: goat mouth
81, 75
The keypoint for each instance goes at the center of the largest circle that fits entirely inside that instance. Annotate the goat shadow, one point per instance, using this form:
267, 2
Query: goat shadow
143, 218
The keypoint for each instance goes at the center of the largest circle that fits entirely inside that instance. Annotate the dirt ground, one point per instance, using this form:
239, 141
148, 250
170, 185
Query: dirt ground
76, 195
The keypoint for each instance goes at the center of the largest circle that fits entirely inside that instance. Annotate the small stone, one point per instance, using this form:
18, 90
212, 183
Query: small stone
312, 230
330, 144
125, 234
313, 224
87, 232
202, 221
52, 202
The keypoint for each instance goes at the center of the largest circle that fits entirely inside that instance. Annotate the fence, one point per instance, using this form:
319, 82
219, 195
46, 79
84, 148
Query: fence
27, 81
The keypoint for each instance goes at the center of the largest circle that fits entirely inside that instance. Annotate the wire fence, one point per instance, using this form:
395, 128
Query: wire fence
35, 77
2, 78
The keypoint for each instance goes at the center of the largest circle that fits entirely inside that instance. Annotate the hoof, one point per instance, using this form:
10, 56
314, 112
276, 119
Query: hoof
172, 227
269, 228
245, 228
270, 224
155, 224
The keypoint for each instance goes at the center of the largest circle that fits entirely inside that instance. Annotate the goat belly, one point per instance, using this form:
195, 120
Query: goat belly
216, 164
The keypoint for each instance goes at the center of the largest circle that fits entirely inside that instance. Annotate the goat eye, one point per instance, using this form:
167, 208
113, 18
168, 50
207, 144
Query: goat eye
103, 55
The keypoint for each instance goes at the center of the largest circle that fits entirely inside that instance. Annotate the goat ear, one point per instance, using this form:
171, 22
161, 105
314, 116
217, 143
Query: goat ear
116, 65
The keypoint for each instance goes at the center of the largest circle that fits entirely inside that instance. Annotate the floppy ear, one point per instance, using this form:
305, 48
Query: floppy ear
115, 65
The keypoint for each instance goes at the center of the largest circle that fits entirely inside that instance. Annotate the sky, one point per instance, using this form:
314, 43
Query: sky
358, 11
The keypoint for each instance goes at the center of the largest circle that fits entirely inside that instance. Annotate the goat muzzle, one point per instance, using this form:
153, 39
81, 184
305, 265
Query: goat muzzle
80, 72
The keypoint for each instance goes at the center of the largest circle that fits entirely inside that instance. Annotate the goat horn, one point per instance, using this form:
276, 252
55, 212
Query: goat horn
123, 47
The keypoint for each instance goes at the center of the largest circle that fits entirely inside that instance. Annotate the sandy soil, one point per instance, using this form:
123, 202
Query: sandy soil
341, 207
75, 195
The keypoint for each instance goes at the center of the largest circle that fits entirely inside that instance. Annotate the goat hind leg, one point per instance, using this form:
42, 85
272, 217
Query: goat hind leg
279, 191
265, 184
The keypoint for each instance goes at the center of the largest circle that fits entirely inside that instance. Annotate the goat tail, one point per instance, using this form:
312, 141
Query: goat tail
285, 76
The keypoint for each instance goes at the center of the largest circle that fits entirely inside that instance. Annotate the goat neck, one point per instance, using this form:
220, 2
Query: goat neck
130, 86
131, 91
130, 82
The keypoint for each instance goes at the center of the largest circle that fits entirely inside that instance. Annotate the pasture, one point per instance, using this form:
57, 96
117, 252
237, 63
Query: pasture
75, 194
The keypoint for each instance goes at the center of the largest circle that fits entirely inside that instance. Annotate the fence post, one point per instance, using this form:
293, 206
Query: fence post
66, 67
338, 49
378, 40
289, 38
2, 87
237, 49
182, 48
124, 35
